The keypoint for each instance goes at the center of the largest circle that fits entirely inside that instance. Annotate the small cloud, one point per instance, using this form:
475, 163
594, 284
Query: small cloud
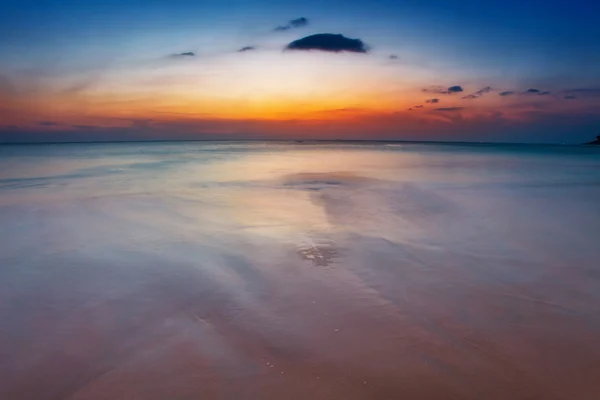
432, 101
449, 109
299, 22
292, 24
536, 92
478, 93
570, 97
247, 48
393, 57
410, 109
442, 90
183, 55
507, 93
329, 42
419, 106
47, 123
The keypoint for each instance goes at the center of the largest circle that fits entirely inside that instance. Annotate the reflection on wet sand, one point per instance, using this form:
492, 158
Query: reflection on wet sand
336, 273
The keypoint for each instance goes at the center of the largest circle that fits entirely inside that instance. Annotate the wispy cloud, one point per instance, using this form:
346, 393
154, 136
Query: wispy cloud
329, 42
507, 93
247, 48
442, 90
584, 92
478, 93
292, 24
187, 54
432, 101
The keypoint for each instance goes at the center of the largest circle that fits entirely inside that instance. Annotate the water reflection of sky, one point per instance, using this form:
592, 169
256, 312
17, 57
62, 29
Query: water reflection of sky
468, 265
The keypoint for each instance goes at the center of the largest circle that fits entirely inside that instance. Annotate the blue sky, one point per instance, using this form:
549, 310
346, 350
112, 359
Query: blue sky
47, 48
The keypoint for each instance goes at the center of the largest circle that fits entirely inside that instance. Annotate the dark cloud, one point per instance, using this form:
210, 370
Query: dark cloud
570, 97
47, 123
478, 93
449, 109
536, 92
433, 101
393, 57
410, 109
419, 106
294, 23
442, 90
247, 48
329, 42
507, 93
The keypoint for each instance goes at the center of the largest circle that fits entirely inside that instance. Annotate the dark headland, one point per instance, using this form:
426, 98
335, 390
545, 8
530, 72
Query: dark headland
597, 141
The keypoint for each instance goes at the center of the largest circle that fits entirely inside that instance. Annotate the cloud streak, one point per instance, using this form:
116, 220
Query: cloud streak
246, 48
328, 42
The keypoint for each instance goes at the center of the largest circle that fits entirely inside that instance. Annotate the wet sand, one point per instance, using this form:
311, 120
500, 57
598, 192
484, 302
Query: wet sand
281, 276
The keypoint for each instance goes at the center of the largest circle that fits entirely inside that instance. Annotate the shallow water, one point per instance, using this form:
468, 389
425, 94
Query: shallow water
299, 271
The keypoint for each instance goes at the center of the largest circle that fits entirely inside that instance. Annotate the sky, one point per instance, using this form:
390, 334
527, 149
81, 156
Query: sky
492, 71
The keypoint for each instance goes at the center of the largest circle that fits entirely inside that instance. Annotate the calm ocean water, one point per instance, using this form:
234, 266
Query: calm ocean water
251, 270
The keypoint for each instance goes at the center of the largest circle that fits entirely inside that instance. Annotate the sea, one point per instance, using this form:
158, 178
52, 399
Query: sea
299, 270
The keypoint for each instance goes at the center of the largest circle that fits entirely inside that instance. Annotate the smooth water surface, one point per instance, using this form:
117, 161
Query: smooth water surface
299, 271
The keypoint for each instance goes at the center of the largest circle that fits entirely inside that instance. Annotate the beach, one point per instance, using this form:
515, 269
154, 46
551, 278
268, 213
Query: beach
270, 270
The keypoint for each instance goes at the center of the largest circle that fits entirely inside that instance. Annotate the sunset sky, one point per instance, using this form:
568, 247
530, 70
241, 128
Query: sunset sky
515, 71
